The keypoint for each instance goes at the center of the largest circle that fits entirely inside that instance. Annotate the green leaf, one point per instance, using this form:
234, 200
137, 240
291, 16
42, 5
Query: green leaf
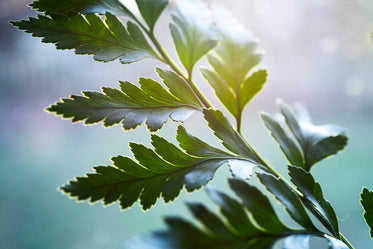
288, 198
233, 228
313, 198
288, 145
258, 205
251, 86
232, 60
163, 170
311, 144
81, 6
231, 139
106, 39
131, 106
151, 10
194, 146
178, 87
181, 234
233, 211
192, 33
226, 94
209, 220
367, 203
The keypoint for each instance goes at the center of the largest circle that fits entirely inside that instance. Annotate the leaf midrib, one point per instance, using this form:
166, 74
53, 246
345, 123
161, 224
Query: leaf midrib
136, 108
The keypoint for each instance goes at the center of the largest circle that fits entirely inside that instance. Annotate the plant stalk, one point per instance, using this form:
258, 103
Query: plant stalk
166, 59
345, 241
172, 65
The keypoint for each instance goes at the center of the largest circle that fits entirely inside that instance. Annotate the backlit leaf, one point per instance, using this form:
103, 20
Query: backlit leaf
178, 87
232, 60
81, 6
131, 105
162, 171
151, 10
106, 39
192, 32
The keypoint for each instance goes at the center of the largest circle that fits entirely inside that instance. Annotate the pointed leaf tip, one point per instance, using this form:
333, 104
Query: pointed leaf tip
151, 10
130, 106
367, 203
304, 143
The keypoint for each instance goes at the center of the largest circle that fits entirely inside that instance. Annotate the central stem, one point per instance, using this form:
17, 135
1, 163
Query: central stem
169, 62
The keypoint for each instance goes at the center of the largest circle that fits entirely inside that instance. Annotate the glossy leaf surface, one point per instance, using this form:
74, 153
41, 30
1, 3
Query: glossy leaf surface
313, 198
131, 105
106, 39
191, 30
367, 203
163, 170
307, 144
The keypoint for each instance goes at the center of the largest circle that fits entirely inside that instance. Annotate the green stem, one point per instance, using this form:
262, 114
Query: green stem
239, 117
345, 241
166, 59
172, 65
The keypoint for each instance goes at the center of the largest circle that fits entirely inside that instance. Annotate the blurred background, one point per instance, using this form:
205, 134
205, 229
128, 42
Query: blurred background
317, 52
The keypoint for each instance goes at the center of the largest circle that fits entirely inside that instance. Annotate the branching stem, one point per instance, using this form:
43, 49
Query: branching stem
166, 59
163, 56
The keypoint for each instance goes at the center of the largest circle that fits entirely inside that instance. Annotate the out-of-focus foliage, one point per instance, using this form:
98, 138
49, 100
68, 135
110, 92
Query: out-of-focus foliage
248, 221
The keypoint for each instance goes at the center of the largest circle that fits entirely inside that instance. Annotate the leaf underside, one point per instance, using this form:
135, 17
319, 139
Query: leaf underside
163, 171
132, 105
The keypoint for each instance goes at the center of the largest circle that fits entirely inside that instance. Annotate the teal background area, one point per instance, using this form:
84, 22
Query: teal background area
317, 52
